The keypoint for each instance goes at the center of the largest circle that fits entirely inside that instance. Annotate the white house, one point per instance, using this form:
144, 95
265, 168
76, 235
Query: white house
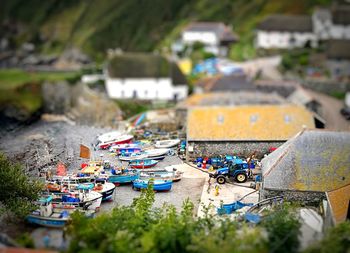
285, 32
145, 77
216, 36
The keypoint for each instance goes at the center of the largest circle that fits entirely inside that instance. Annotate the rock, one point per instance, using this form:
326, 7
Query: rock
56, 97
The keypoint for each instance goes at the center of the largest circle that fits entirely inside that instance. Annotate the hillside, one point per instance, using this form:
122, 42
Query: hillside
134, 25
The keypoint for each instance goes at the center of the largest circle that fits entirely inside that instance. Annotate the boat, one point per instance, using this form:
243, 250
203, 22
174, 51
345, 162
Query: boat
105, 188
125, 148
122, 176
92, 168
150, 153
143, 164
83, 196
166, 173
121, 139
49, 216
132, 157
167, 143
158, 184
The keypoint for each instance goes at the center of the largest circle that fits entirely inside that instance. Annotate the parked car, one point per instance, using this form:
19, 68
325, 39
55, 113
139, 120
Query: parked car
345, 112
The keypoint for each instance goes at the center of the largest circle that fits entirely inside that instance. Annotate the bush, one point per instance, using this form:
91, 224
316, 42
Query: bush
17, 191
337, 240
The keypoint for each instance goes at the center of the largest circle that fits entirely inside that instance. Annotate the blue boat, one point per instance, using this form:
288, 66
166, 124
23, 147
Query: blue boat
143, 164
122, 177
158, 185
49, 216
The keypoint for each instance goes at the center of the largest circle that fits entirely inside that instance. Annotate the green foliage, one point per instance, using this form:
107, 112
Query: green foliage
132, 107
336, 240
17, 191
26, 241
282, 226
338, 94
134, 25
143, 228
295, 60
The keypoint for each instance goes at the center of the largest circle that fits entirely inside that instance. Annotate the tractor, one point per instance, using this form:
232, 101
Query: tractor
237, 170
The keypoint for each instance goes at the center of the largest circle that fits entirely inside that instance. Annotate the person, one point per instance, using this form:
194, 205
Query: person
46, 240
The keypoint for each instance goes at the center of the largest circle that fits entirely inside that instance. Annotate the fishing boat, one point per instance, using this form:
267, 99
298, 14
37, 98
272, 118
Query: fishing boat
105, 188
92, 168
143, 164
167, 143
49, 216
122, 176
121, 139
165, 174
158, 185
125, 148
151, 153
83, 196
132, 157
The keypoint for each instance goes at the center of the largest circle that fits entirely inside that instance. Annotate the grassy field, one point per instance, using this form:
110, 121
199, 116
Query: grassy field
22, 89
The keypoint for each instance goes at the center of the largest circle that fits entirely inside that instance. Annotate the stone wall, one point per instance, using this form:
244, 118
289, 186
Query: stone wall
303, 197
327, 87
214, 148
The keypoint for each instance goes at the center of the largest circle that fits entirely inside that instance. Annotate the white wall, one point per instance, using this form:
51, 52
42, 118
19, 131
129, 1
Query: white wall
145, 88
340, 32
207, 38
283, 40
339, 68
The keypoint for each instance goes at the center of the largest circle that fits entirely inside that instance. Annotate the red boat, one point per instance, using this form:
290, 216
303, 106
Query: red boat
122, 139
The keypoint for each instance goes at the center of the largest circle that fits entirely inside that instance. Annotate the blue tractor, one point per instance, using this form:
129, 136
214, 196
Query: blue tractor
236, 169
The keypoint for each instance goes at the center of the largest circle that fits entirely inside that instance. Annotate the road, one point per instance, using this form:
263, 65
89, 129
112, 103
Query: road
331, 111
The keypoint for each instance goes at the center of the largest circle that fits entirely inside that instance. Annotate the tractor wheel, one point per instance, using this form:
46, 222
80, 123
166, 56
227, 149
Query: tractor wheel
241, 177
221, 179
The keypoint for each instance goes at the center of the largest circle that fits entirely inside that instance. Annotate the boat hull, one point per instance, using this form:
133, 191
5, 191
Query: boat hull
164, 186
117, 142
47, 221
122, 179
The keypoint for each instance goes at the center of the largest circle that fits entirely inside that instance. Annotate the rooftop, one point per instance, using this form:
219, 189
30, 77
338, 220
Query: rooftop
313, 160
341, 14
224, 32
290, 23
338, 49
247, 123
232, 98
234, 82
143, 65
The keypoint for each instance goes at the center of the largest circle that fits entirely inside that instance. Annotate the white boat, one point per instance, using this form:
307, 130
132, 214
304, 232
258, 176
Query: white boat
156, 152
109, 136
167, 143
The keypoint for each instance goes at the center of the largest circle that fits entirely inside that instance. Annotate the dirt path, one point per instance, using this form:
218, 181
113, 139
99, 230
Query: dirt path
331, 112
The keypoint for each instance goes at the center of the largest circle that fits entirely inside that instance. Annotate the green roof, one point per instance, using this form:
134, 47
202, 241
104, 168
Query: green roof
141, 65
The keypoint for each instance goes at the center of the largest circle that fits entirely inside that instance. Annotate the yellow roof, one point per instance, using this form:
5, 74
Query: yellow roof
339, 202
247, 123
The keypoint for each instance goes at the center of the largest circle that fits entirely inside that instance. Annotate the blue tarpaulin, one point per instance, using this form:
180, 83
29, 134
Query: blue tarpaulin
230, 208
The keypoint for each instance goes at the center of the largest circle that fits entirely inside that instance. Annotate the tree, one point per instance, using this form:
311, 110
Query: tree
17, 190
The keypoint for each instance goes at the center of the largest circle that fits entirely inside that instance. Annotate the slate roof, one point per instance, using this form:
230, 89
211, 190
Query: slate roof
313, 160
247, 123
232, 99
286, 23
143, 65
341, 15
338, 49
235, 82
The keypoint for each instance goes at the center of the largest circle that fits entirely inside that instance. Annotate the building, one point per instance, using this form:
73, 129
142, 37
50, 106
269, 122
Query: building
338, 58
221, 83
285, 32
145, 77
333, 23
283, 87
219, 130
313, 168
215, 36
302, 97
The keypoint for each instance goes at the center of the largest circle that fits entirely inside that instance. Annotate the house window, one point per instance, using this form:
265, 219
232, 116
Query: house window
287, 118
220, 119
175, 96
134, 94
156, 94
146, 93
122, 94
253, 118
